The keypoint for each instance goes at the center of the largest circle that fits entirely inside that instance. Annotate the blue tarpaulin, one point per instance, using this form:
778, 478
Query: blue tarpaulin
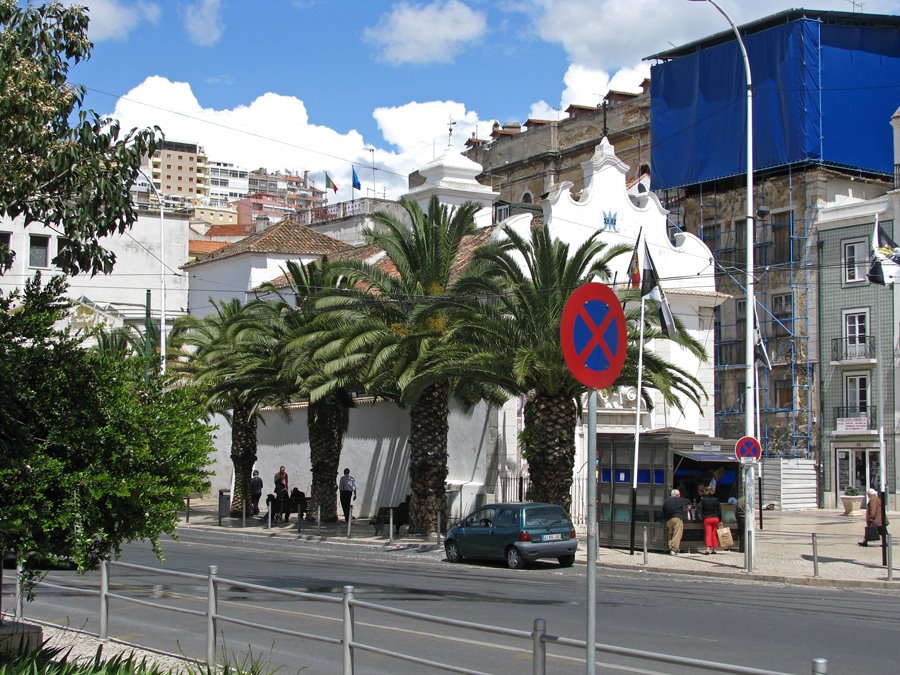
822, 92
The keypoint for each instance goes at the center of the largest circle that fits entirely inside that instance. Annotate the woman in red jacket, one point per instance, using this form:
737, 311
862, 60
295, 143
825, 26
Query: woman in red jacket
711, 512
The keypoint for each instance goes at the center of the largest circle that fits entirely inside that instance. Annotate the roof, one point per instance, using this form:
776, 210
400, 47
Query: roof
287, 237
230, 230
202, 247
788, 15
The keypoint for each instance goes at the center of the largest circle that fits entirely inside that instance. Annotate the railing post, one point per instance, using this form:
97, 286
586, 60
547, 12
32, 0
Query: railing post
104, 600
318, 520
890, 561
815, 555
349, 521
244, 512
348, 630
646, 558
211, 611
439, 528
269, 515
299, 519
539, 647
819, 666
20, 594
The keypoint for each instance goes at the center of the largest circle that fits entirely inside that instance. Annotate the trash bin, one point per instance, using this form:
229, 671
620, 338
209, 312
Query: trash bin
224, 503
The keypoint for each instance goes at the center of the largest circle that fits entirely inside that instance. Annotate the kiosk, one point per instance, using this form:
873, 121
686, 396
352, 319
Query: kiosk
667, 458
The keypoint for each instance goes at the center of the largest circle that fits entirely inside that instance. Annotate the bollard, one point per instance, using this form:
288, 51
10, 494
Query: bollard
318, 520
819, 666
244, 512
348, 630
539, 647
211, 611
646, 560
269, 516
104, 601
299, 520
890, 562
349, 521
391, 527
439, 528
20, 593
815, 556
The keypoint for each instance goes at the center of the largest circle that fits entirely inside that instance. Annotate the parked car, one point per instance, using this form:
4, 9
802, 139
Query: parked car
517, 533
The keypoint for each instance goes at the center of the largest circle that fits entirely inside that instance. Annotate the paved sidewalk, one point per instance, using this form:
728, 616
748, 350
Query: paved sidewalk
784, 547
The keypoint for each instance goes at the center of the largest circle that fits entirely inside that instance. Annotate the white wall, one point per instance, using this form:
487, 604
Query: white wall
375, 450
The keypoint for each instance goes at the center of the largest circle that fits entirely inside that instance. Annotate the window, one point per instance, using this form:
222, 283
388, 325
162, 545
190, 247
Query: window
781, 234
856, 394
501, 212
856, 259
783, 393
6, 240
783, 310
39, 251
62, 243
855, 332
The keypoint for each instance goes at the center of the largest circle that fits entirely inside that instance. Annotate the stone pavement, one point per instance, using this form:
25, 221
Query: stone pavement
784, 547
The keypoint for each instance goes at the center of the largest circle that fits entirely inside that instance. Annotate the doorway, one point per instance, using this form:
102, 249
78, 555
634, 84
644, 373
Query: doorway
859, 468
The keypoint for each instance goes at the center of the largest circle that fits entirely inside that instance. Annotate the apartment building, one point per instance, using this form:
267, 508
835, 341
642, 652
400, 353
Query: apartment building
180, 170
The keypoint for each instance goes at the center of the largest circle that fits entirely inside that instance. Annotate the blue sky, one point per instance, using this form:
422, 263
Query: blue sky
324, 85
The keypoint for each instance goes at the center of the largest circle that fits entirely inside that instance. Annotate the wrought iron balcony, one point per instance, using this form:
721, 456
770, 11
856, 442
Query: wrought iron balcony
855, 418
853, 349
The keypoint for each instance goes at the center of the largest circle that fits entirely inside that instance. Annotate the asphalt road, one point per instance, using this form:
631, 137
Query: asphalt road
761, 625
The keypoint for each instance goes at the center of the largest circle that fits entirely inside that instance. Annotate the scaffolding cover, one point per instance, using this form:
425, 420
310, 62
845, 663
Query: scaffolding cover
822, 92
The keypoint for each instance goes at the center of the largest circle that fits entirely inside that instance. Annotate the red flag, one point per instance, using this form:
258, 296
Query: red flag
330, 183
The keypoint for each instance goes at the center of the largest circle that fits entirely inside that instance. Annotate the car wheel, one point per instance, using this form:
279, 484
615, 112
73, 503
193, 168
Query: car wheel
514, 559
453, 554
566, 560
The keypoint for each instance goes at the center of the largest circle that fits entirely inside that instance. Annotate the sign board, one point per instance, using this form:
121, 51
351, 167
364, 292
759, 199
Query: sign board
748, 449
593, 335
852, 424
707, 447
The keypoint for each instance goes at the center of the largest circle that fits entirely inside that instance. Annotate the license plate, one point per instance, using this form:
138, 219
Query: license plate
552, 537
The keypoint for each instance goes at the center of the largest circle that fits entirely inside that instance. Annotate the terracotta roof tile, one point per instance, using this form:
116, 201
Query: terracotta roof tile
201, 246
230, 230
285, 237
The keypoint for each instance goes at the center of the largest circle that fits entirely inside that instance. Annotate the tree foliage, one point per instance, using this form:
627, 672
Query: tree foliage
92, 455
61, 164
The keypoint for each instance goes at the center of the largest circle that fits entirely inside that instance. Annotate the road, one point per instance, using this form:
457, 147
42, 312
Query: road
761, 625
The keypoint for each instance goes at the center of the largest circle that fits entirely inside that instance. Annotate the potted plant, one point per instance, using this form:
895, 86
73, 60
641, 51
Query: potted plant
851, 499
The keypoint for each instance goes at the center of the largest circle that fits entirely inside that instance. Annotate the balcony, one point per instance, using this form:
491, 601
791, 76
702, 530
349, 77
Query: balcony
853, 349
854, 419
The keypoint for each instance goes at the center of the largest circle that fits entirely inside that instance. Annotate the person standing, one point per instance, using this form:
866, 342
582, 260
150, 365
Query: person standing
711, 512
873, 515
281, 480
256, 488
673, 513
347, 488
282, 498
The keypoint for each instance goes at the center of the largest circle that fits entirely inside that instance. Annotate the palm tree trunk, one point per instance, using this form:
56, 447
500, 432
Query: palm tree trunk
327, 421
243, 456
428, 459
550, 447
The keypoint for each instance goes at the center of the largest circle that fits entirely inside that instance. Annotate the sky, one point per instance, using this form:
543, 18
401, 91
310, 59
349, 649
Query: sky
336, 85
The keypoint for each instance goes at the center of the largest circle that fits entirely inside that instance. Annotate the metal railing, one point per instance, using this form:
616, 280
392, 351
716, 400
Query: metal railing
852, 349
865, 414
538, 637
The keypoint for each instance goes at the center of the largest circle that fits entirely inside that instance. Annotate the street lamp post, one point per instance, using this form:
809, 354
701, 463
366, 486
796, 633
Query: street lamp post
162, 275
750, 311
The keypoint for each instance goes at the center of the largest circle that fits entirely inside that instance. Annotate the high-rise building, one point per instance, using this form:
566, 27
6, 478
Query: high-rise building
180, 171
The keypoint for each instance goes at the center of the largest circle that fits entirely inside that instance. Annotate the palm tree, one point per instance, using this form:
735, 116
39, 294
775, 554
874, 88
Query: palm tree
391, 320
328, 416
524, 285
231, 355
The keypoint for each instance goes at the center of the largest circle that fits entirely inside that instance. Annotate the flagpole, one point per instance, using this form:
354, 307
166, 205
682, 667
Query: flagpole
637, 424
881, 394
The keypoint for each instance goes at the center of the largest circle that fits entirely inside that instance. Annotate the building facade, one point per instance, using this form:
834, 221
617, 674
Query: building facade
180, 170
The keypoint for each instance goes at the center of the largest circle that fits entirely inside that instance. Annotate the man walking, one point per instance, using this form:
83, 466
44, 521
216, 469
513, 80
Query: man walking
673, 512
347, 487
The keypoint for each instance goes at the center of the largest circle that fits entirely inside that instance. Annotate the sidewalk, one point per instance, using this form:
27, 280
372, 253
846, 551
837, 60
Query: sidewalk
784, 547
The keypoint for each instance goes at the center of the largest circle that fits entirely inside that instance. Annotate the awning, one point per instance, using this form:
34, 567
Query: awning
706, 456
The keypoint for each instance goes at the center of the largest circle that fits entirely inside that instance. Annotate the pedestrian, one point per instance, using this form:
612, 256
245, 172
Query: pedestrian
673, 513
711, 512
873, 517
282, 498
281, 480
347, 488
256, 488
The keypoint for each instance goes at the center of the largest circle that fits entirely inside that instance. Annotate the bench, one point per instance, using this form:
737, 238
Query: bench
383, 518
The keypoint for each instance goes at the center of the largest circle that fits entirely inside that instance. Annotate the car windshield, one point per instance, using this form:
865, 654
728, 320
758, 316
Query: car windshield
544, 516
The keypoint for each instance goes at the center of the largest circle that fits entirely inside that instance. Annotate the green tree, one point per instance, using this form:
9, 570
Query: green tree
232, 356
91, 454
515, 344
60, 164
391, 321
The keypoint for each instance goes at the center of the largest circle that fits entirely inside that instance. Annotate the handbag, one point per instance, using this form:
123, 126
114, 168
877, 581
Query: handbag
725, 538
872, 533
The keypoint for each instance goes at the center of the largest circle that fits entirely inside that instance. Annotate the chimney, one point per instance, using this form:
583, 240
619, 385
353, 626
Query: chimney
895, 122
262, 223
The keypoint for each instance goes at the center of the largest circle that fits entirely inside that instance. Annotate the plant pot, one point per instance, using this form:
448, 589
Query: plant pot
851, 503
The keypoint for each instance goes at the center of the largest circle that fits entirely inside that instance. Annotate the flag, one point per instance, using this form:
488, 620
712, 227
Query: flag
650, 287
356, 183
885, 258
329, 184
634, 267
762, 356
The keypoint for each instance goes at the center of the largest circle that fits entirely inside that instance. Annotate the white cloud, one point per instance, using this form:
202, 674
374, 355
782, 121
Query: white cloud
434, 32
275, 131
203, 22
114, 20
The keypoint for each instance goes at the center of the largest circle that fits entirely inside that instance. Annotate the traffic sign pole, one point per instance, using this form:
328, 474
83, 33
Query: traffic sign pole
591, 632
749, 451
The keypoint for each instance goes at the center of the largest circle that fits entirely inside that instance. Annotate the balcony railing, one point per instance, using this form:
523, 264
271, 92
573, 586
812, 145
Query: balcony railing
853, 349
855, 418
